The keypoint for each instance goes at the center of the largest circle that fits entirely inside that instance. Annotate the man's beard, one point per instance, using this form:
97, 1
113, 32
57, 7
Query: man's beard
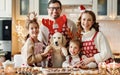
55, 17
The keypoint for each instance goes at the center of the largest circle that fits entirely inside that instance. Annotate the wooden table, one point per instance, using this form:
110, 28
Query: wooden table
62, 71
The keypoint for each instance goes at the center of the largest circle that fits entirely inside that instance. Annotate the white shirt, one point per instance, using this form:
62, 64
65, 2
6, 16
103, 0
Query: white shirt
75, 60
101, 44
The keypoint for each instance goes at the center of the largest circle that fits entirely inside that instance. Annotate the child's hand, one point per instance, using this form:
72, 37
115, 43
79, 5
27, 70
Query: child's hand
48, 49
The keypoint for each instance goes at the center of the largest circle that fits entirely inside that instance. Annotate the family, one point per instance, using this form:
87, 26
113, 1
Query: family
50, 45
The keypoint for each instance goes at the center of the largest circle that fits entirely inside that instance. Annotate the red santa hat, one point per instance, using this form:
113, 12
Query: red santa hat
82, 8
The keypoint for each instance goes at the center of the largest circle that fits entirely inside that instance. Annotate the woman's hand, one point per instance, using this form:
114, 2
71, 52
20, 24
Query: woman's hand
79, 65
87, 61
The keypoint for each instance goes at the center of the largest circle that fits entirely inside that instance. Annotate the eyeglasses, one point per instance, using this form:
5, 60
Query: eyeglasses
52, 8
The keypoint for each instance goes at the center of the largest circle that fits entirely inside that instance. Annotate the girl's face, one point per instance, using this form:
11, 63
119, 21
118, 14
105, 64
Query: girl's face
74, 49
86, 21
33, 30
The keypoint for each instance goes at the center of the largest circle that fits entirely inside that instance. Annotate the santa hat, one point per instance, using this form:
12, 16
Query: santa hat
82, 8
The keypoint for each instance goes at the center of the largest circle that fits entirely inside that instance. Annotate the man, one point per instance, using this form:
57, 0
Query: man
55, 23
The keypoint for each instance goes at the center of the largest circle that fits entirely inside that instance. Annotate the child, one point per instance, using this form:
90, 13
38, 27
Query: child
75, 57
95, 45
32, 49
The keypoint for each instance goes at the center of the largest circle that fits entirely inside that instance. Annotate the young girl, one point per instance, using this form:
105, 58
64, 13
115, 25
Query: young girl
32, 49
95, 45
75, 57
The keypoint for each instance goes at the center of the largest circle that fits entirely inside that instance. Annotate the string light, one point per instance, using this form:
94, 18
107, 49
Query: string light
21, 32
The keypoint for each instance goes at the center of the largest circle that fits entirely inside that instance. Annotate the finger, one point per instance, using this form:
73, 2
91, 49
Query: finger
82, 63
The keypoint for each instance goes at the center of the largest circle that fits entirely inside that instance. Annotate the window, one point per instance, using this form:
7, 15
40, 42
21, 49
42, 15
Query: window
43, 4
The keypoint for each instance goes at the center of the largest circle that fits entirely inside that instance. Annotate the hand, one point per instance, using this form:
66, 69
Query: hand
84, 67
48, 50
64, 51
87, 61
77, 65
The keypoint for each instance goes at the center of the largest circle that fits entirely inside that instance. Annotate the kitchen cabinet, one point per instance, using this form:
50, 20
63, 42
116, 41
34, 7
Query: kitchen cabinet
26, 6
107, 9
76, 2
5, 8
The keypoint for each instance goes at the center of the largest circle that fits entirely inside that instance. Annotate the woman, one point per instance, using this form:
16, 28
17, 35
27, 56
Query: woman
95, 44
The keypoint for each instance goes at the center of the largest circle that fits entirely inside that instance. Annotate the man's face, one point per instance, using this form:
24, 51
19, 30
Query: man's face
54, 10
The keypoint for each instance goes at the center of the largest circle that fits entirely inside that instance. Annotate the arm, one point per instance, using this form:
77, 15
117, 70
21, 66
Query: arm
86, 61
66, 62
31, 57
103, 47
47, 50
64, 51
43, 34
92, 65
89, 65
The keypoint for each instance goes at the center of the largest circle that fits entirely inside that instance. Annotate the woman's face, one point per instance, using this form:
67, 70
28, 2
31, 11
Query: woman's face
86, 21
54, 10
33, 30
74, 49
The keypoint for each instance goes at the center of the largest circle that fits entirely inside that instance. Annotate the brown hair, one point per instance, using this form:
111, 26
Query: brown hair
79, 43
30, 21
95, 25
76, 41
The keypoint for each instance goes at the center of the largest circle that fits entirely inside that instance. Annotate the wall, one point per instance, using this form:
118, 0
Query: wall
111, 29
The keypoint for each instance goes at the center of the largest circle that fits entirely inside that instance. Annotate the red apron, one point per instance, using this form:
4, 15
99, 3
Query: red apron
90, 50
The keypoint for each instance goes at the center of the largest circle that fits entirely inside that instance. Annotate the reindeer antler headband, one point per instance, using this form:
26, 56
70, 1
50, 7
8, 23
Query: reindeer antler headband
32, 16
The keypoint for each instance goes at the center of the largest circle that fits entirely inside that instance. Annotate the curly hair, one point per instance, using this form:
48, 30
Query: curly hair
95, 25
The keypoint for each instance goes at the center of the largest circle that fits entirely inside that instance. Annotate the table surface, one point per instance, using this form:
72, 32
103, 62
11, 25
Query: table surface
61, 71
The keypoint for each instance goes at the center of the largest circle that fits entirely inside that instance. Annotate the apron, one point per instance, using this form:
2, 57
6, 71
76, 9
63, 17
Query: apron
90, 50
38, 49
